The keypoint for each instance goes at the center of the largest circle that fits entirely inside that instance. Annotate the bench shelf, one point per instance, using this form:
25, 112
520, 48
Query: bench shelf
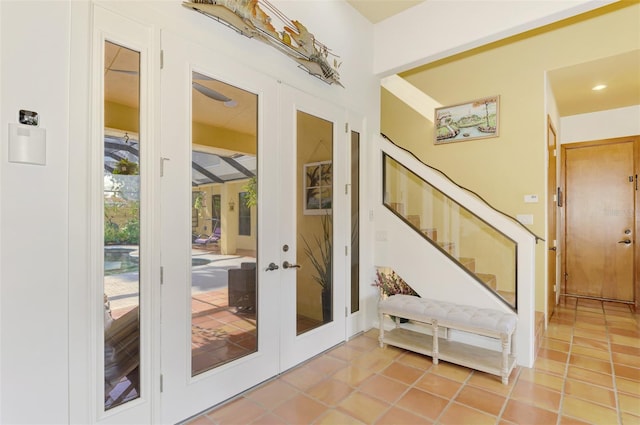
473, 357
409, 340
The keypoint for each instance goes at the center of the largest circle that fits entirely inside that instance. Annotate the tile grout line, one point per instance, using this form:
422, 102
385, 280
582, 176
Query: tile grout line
508, 396
567, 364
613, 369
451, 401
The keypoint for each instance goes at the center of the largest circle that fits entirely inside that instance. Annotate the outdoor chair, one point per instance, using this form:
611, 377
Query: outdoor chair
122, 354
242, 287
213, 238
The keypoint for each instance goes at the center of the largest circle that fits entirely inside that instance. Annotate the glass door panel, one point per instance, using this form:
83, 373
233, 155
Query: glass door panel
121, 205
224, 234
355, 222
314, 222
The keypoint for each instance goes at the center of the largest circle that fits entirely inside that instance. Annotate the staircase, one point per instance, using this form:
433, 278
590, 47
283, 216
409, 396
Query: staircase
468, 263
453, 246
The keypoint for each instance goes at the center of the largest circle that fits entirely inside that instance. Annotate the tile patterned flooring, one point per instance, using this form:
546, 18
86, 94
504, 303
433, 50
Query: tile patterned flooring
219, 334
587, 372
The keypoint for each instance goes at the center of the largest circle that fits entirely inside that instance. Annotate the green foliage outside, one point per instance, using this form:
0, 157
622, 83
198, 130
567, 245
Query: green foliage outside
122, 223
251, 190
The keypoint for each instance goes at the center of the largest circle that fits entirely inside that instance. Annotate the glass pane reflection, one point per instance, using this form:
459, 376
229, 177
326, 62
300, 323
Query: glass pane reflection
314, 283
121, 225
224, 187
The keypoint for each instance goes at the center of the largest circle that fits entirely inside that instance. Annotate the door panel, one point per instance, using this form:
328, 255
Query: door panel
122, 223
220, 305
355, 320
313, 235
224, 250
600, 216
314, 223
122, 234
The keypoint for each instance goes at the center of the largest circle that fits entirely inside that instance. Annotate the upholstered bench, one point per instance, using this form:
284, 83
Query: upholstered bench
439, 314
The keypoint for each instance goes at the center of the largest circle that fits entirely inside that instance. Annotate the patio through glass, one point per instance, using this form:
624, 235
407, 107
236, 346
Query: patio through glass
224, 202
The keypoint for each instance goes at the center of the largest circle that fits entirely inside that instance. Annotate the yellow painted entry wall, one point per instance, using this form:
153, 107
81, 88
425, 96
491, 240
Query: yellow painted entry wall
505, 168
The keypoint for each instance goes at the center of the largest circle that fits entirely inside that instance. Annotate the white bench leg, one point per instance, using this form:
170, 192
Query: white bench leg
434, 327
506, 349
381, 337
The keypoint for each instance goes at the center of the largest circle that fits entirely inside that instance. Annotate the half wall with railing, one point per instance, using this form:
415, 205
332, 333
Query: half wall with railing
451, 245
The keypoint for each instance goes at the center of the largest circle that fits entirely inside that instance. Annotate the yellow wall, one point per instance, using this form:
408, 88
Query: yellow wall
223, 138
231, 240
505, 168
314, 144
121, 117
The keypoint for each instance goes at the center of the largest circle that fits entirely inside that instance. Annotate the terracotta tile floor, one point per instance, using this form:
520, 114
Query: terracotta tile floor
219, 334
587, 372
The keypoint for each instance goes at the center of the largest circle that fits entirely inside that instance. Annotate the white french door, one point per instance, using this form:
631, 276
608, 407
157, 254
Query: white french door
269, 297
314, 231
228, 293
214, 346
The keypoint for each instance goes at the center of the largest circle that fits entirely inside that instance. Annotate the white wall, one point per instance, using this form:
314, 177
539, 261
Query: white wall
43, 208
436, 29
608, 124
33, 216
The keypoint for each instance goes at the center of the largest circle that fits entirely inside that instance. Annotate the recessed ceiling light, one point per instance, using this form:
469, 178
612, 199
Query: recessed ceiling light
599, 87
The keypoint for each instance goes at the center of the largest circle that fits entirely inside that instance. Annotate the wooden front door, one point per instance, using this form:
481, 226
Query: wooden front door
600, 184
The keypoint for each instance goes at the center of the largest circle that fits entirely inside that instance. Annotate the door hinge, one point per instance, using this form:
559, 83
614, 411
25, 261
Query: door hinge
566, 276
161, 383
346, 189
346, 311
162, 160
161, 275
161, 59
346, 127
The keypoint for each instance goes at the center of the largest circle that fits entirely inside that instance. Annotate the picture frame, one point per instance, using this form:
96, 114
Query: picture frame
476, 119
317, 188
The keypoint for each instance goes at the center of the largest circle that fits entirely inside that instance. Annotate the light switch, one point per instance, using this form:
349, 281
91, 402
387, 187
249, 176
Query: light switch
27, 144
531, 199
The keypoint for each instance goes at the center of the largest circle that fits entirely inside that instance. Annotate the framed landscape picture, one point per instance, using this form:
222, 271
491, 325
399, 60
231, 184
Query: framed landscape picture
478, 119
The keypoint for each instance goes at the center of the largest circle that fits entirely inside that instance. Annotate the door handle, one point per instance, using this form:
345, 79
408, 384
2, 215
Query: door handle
626, 241
272, 266
288, 265
553, 248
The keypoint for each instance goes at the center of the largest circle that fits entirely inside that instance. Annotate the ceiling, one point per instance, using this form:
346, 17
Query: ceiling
379, 10
122, 79
571, 85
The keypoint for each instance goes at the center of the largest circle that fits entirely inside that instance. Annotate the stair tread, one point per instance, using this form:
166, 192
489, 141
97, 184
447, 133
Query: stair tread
468, 262
489, 279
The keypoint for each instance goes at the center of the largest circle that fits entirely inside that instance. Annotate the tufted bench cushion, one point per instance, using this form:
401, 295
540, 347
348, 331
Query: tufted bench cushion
448, 314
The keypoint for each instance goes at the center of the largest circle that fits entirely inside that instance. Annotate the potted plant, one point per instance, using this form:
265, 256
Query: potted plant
320, 255
392, 284
126, 167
